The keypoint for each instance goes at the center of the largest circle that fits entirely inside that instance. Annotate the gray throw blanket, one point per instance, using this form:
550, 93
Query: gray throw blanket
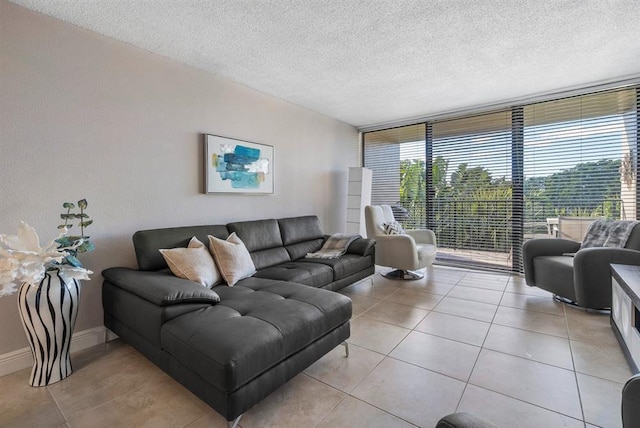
334, 247
608, 233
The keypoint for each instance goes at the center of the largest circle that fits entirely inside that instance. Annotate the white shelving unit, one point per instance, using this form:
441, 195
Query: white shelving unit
358, 196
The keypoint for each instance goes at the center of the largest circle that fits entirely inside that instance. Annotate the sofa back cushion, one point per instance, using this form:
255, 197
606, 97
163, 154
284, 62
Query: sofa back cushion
258, 234
147, 243
301, 235
263, 240
270, 242
299, 229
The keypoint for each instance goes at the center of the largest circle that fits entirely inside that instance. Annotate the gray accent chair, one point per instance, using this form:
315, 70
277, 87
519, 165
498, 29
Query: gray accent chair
579, 276
630, 403
464, 420
416, 249
630, 411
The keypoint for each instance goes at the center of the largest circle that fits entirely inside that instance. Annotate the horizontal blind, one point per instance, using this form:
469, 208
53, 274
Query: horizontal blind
579, 163
397, 159
472, 183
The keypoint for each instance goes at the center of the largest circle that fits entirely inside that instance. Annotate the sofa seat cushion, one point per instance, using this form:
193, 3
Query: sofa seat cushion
345, 265
556, 273
301, 272
258, 324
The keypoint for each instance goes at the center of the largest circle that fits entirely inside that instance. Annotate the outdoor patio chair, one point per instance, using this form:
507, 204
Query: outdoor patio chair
573, 228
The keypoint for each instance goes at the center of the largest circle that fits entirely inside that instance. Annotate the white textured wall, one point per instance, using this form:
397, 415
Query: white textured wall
82, 115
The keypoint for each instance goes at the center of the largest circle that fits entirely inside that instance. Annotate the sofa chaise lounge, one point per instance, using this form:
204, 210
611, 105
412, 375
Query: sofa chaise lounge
232, 346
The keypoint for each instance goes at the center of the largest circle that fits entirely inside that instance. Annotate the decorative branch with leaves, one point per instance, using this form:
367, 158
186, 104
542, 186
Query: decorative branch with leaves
80, 243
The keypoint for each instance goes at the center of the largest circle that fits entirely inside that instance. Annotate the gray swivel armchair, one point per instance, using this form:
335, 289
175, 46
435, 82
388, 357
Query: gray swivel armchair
574, 275
413, 250
630, 400
464, 420
630, 411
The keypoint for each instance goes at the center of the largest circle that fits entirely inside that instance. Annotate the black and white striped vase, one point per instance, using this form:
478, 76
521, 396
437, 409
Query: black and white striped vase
48, 311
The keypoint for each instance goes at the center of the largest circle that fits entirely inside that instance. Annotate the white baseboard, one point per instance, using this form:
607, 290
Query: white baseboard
22, 359
110, 335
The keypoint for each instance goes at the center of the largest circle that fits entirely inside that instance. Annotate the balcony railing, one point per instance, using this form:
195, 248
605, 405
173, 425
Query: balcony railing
480, 230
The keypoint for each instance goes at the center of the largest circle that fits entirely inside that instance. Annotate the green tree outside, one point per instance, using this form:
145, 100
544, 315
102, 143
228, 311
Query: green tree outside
473, 209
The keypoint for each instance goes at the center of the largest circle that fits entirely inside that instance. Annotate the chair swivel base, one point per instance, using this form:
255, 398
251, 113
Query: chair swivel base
565, 300
570, 302
405, 275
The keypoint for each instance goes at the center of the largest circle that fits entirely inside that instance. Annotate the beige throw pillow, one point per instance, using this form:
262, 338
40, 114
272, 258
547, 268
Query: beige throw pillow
232, 257
193, 263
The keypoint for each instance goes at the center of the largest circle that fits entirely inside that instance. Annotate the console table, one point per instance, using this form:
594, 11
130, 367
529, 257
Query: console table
625, 310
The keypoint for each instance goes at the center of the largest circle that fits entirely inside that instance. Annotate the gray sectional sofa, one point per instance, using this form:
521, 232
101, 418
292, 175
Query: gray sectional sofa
232, 346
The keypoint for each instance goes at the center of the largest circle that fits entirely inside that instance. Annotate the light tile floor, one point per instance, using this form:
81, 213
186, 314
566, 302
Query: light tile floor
457, 340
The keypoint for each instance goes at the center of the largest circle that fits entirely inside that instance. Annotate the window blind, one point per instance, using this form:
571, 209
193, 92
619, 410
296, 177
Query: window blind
579, 162
472, 183
397, 159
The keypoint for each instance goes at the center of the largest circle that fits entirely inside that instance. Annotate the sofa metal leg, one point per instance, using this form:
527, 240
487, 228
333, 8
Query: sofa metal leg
346, 347
234, 423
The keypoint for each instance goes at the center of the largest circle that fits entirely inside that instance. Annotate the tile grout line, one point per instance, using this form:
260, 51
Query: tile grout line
527, 402
475, 363
573, 361
413, 329
526, 359
349, 394
482, 347
334, 407
53, 397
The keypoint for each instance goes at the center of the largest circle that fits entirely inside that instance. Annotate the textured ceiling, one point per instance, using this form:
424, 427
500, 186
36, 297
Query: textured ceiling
371, 62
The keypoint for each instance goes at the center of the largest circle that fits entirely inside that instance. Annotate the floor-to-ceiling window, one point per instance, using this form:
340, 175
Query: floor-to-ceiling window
486, 183
579, 162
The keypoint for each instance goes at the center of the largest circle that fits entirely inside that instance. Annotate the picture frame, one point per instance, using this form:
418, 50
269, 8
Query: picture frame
237, 166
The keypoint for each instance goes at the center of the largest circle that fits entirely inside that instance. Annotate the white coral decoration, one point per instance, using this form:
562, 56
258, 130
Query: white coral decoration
22, 259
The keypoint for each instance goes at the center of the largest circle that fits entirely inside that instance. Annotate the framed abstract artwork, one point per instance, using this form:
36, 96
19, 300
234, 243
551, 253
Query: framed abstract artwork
235, 166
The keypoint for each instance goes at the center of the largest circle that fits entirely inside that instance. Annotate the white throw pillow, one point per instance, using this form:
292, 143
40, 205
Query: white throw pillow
193, 263
232, 257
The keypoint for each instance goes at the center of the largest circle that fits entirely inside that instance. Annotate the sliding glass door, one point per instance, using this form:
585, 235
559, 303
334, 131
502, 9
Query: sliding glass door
472, 189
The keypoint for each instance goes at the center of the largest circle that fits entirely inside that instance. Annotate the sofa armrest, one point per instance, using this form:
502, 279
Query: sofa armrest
361, 247
591, 270
544, 247
159, 288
